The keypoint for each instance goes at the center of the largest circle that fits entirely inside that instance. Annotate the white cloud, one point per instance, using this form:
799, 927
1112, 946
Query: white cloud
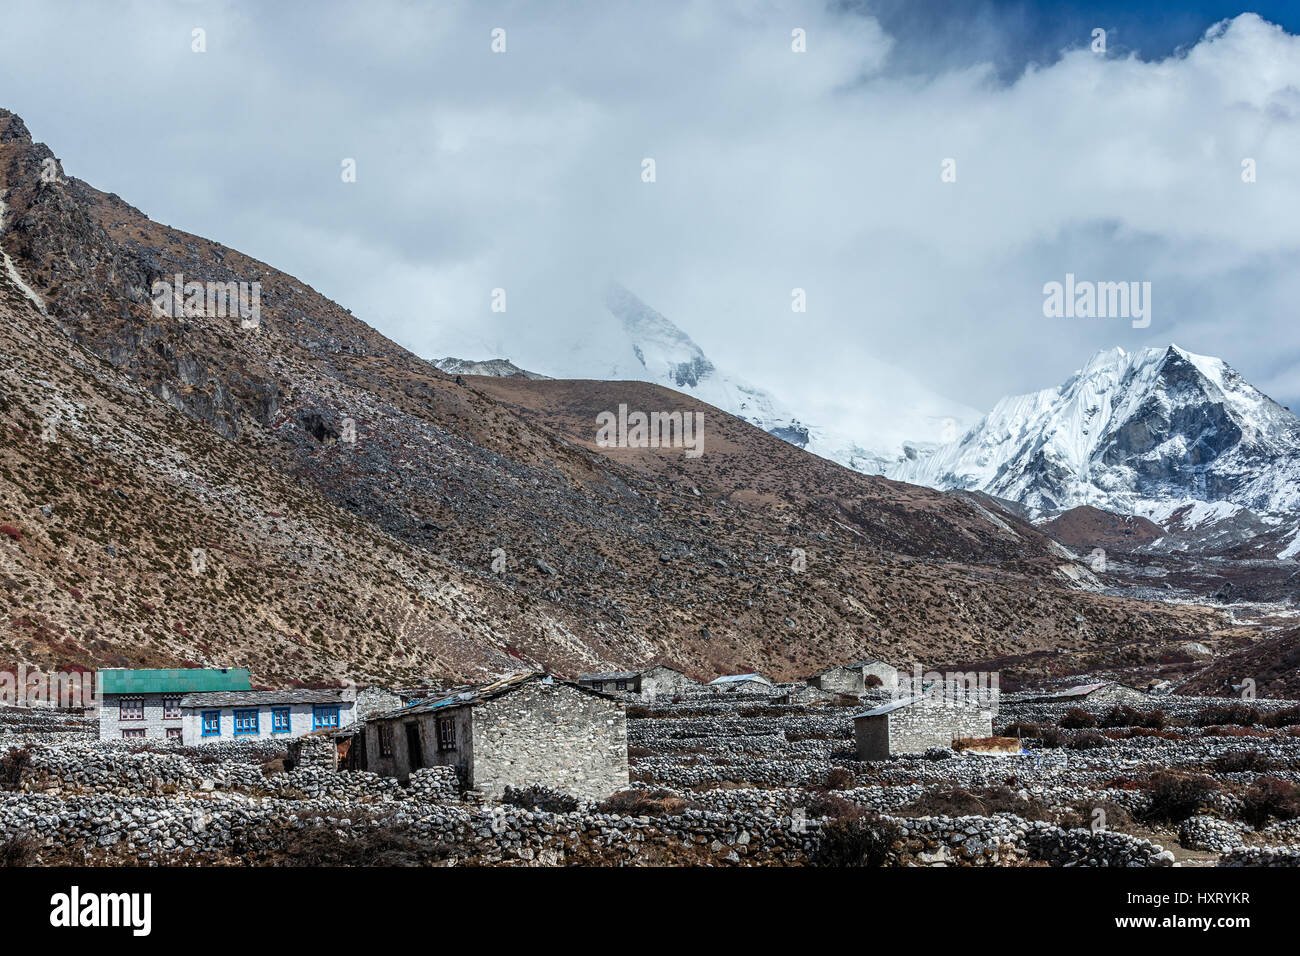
775, 170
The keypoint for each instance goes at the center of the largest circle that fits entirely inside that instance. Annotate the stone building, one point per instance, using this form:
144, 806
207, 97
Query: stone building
915, 724
517, 731
854, 680
612, 682
146, 704
839, 679
664, 681
656, 681
1099, 692
249, 714
742, 684
374, 699
886, 674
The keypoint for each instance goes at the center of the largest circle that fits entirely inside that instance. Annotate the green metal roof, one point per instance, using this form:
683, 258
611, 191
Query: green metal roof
178, 680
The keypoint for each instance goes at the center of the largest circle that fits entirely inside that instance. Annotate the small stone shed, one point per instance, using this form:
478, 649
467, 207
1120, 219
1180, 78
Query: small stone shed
656, 681
612, 682
1098, 692
915, 724
517, 731
742, 684
854, 680
887, 674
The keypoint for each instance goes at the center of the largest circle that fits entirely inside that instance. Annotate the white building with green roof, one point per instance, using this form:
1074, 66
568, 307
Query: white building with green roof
146, 704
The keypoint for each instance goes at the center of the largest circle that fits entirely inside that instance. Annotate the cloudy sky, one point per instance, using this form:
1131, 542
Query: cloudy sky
774, 170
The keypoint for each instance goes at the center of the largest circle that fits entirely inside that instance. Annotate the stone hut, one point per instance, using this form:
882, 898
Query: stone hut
516, 731
647, 684
742, 684
887, 674
664, 681
612, 682
1099, 692
839, 679
915, 724
374, 699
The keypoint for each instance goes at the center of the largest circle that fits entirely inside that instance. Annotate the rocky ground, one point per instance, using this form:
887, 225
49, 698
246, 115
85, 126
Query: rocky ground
1178, 781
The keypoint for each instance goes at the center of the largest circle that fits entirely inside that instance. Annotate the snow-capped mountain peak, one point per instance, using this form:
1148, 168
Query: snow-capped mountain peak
1128, 430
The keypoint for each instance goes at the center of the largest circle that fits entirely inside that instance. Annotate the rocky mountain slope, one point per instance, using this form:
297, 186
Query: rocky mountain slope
361, 513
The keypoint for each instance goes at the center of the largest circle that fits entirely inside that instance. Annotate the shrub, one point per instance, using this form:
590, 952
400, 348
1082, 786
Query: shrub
1244, 761
1241, 714
1076, 718
1122, 715
1089, 740
1176, 796
866, 840
643, 803
1270, 798
836, 808
1286, 717
1082, 813
13, 766
960, 803
20, 850
840, 778
636, 710
541, 798
385, 846
1021, 729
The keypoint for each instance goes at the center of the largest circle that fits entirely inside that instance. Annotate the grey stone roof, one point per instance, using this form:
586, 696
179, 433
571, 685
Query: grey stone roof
258, 698
477, 693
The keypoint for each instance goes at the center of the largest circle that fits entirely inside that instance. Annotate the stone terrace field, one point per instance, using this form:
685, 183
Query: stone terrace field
1186, 781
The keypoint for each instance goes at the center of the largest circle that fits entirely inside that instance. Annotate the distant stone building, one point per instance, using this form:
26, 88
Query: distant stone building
664, 681
742, 684
517, 731
250, 714
612, 682
915, 724
886, 674
146, 704
840, 680
854, 680
656, 681
375, 700
1098, 692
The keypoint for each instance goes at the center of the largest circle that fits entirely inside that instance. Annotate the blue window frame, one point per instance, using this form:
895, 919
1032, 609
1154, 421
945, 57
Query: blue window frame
279, 720
246, 721
211, 723
324, 718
